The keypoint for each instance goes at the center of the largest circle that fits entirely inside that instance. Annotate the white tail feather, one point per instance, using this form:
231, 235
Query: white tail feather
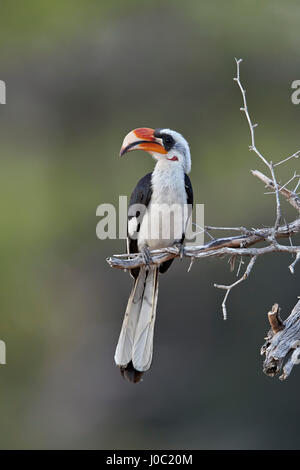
143, 339
136, 338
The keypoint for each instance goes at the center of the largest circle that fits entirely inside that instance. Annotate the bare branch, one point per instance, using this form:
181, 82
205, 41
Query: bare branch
292, 266
240, 265
290, 180
229, 288
191, 264
290, 196
245, 110
295, 155
232, 229
278, 207
254, 148
297, 186
221, 246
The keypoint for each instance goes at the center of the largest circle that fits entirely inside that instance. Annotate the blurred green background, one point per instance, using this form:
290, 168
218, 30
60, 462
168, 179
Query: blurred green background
79, 76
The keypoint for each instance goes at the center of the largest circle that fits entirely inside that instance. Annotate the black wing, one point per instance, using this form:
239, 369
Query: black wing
140, 195
189, 190
190, 200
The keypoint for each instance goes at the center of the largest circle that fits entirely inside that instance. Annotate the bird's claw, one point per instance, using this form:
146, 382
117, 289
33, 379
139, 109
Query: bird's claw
180, 247
147, 256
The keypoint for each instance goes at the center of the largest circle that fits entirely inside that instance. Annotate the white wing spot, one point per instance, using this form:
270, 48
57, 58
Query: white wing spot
132, 226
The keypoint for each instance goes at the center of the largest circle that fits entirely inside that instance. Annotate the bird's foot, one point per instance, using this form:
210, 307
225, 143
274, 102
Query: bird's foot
180, 247
147, 256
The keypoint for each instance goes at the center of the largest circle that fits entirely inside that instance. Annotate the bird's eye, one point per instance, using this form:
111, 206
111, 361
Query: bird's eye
168, 141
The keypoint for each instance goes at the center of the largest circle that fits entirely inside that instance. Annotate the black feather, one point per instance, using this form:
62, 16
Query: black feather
130, 373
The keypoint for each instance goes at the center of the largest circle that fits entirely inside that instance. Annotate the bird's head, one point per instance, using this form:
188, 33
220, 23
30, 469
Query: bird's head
162, 144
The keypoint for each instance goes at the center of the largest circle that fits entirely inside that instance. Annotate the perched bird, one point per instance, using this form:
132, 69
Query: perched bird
167, 186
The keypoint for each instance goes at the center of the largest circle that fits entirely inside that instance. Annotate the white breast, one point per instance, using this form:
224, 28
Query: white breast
165, 219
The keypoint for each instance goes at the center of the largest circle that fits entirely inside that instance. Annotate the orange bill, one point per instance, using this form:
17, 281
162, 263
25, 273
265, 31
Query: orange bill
142, 138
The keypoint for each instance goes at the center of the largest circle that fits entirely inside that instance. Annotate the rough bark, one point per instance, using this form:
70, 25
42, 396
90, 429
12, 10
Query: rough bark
282, 346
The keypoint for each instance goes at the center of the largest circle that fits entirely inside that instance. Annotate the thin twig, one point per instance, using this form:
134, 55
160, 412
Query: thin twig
290, 196
297, 186
278, 207
229, 288
240, 265
295, 155
245, 110
292, 266
290, 180
191, 264
254, 148
231, 229
203, 229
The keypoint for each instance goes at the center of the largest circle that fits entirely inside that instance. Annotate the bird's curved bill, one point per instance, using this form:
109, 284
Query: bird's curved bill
142, 138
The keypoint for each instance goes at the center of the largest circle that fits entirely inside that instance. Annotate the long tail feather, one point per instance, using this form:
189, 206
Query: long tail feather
135, 346
143, 338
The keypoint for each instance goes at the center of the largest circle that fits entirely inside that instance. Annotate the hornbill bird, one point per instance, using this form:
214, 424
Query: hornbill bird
167, 186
